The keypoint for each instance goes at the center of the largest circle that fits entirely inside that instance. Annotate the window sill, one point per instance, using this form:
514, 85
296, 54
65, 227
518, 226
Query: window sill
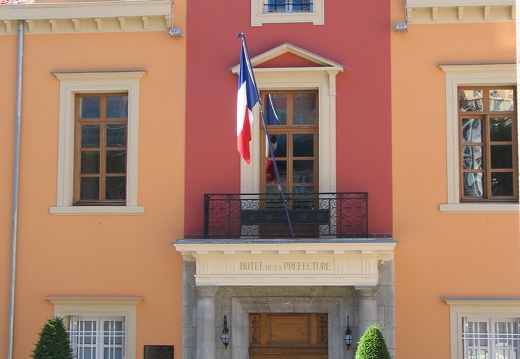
124, 210
480, 207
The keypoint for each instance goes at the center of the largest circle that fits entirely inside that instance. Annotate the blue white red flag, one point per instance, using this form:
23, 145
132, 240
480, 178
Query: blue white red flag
247, 98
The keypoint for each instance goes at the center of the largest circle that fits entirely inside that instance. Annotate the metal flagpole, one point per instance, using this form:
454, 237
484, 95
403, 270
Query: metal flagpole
271, 149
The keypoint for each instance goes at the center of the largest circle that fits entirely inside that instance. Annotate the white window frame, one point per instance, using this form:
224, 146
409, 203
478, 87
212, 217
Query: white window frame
258, 17
476, 308
102, 307
77, 335
95, 82
469, 75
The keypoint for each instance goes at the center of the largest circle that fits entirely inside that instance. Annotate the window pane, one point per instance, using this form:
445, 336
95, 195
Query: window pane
278, 105
279, 143
116, 135
304, 109
501, 100
90, 162
117, 106
303, 172
471, 130
501, 129
471, 100
303, 145
473, 186
502, 156
502, 183
89, 188
275, 6
472, 157
115, 188
89, 107
90, 136
116, 162
270, 174
302, 6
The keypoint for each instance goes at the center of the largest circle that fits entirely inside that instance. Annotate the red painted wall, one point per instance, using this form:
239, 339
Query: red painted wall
356, 35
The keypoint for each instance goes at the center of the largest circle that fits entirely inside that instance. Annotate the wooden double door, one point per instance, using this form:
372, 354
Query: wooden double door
288, 336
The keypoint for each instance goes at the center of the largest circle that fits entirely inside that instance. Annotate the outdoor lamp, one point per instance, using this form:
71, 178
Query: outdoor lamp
225, 333
348, 335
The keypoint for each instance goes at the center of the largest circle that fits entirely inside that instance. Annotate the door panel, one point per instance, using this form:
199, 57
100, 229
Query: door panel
288, 336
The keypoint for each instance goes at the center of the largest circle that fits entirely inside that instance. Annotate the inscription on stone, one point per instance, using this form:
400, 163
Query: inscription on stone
286, 266
158, 352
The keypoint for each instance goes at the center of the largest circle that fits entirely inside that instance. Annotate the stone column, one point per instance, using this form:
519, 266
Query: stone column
367, 297
206, 323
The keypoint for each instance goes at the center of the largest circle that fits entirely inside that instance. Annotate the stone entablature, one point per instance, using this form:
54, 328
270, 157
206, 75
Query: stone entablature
459, 11
286, 263
87, 17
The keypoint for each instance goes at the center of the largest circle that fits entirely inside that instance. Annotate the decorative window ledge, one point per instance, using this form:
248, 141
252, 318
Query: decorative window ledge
97, 210
480, 207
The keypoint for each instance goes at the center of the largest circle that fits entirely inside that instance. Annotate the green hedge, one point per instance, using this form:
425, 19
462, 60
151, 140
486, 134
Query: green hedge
54, 341
372, 345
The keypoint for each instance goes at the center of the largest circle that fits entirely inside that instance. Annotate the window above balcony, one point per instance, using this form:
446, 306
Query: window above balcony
459, 11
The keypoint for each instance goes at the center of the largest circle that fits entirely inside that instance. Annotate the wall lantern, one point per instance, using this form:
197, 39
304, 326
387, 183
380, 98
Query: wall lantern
225, 333
348, 335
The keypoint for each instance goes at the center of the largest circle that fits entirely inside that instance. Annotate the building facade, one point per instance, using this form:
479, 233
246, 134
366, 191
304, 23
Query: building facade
102, 130
325, 71
391, 127
455, 179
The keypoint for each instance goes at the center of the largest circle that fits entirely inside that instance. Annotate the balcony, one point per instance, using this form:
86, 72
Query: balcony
264, 216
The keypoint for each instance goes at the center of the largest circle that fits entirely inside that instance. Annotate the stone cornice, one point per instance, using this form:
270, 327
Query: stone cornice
443, 11
107, 16
287, 263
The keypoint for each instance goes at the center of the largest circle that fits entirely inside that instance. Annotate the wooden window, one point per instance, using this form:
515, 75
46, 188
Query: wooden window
292, 118
488, 143
100, 169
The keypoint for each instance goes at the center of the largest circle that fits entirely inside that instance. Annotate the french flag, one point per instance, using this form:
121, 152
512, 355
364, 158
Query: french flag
247, 98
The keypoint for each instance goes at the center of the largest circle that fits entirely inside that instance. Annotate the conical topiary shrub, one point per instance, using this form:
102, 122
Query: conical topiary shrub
372, 345
54, 341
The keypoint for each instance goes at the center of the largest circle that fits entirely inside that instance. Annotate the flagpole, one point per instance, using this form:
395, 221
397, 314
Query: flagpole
271, 149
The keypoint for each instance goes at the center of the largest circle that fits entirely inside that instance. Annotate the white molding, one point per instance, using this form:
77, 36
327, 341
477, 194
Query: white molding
258, 17
107, 16
287, 264
462, 75
85, 82
480, 207
103, 306
450, 12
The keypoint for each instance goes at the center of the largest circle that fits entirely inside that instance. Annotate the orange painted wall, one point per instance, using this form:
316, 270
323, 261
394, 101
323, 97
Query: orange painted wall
440, 254
94, 255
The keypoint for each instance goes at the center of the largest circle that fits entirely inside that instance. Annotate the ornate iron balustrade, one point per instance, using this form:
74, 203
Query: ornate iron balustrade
261, 215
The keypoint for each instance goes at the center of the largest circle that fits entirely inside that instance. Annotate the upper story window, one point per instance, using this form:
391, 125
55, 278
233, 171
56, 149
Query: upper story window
488, 145
481, 138
101, 148
98, 143
292, 123
287, 11
288, 6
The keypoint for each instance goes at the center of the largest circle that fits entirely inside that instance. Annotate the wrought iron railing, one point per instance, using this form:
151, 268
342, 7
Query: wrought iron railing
260, 215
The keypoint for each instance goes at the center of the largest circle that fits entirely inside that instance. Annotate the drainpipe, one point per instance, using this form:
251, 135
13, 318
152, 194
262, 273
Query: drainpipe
16, 180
